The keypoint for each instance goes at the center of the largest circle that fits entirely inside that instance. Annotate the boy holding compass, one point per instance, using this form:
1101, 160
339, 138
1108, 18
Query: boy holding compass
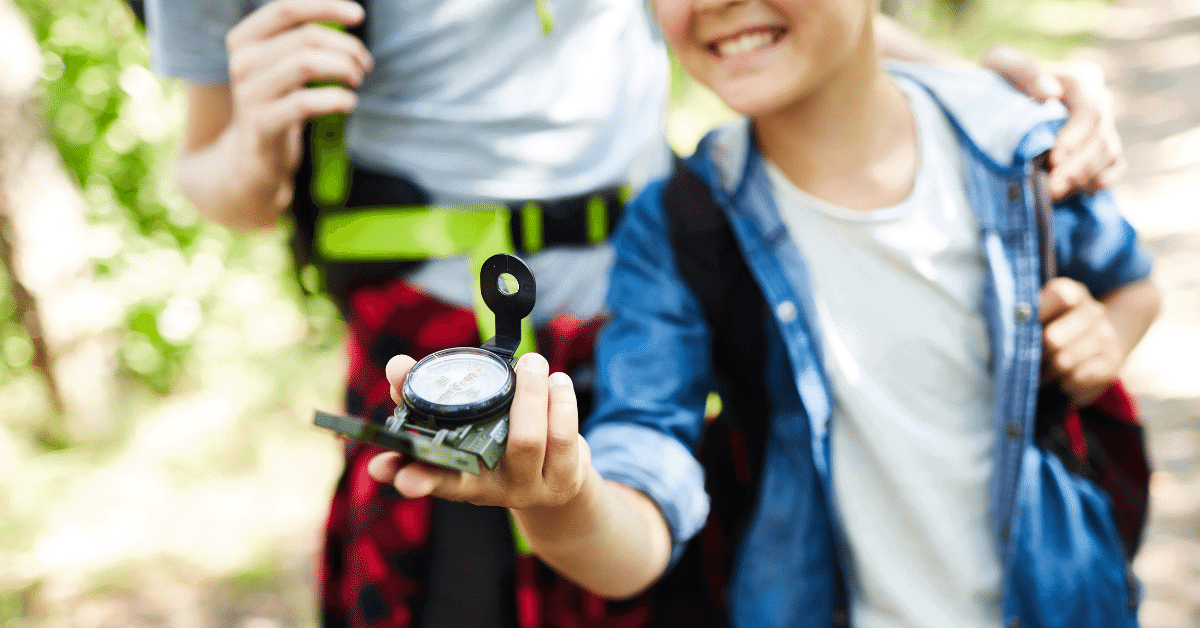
885, 215
453, 105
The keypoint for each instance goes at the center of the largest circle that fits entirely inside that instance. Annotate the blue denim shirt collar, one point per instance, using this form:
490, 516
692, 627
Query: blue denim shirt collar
1005, 142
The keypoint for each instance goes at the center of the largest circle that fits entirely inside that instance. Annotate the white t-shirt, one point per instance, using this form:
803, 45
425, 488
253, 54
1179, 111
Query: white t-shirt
898, 292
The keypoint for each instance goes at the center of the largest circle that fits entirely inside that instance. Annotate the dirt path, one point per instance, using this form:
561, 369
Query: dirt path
1150, 50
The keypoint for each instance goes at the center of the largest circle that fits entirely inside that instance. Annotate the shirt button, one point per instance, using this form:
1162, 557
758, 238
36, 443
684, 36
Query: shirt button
1015, 622
1014, 193
786, 311
1013, 430
840, 618
1024, 312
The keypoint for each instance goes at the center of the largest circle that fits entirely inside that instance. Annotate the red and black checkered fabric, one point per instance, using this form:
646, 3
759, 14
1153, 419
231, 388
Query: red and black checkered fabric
376, 564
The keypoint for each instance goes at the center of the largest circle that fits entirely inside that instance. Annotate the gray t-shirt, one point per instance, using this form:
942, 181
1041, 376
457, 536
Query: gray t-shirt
470, 99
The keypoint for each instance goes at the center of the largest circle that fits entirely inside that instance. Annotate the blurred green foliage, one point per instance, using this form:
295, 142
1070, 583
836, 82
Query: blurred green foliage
110, 118
116, 122
1046, 29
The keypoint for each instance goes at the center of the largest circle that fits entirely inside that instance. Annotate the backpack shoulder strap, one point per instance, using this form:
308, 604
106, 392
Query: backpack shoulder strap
1045, 217
1104, 441
712, 264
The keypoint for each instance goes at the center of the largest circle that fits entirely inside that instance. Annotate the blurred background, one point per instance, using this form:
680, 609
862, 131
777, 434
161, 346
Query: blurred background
158, 373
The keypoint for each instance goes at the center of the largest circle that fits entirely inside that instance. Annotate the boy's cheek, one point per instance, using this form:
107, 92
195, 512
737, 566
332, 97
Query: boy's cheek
672, 19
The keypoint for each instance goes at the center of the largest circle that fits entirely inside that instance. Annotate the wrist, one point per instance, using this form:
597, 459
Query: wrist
557, 529
225, 188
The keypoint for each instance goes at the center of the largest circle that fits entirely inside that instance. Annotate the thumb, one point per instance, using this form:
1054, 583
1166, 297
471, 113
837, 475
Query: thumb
1023, 71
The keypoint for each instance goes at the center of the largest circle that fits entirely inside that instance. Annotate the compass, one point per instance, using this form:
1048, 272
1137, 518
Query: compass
453, 409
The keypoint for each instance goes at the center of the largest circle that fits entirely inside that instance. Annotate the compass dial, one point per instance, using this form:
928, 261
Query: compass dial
461, 384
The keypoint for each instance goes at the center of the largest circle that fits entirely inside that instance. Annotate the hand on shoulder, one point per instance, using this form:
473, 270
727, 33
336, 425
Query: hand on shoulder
1088, 155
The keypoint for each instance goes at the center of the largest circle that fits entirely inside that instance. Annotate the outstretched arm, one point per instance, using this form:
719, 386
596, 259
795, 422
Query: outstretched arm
1088, 154
605, 536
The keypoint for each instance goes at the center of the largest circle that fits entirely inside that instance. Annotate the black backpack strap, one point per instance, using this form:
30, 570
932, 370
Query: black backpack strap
1117, 458
711, 263
1045, 217
713, 266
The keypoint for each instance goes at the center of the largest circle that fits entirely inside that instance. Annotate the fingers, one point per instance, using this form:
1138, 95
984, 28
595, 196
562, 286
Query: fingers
279, 50
307, 53
396, 370
275, 17
1075, 346
1084, 92
383, 467
272, 121
1089, 382
562, 472
418, 479
1059, 295
525, 451
1023, 71
1068, 312
1087, 154
1079, 341
411, 478
544, 459
1081, 171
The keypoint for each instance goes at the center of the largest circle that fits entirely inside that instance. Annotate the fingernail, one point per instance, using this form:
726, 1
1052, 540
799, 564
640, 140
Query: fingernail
1049, 87
560, 379
535, 364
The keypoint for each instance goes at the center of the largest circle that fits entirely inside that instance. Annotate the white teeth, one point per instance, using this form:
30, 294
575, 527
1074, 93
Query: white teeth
745, 43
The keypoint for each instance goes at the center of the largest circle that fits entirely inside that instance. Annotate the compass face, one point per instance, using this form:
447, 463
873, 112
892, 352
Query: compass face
460, 384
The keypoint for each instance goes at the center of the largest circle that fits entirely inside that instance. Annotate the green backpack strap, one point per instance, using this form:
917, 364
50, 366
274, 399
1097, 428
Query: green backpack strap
402, 233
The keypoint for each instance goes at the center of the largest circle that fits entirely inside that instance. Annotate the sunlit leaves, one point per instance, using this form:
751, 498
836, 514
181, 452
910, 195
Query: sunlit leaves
114, 121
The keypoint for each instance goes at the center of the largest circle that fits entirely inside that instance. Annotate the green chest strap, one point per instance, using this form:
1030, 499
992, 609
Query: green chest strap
404, 233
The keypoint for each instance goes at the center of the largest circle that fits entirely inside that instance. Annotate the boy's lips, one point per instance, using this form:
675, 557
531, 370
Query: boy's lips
746, 41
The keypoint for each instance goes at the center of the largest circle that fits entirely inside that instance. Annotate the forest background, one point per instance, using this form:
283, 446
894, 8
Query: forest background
158, 373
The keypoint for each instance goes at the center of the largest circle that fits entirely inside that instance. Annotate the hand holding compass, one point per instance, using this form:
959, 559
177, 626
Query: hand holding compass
452, 409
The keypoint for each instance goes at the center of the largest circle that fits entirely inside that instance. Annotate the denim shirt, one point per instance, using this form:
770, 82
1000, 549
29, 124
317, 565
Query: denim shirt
1054, 535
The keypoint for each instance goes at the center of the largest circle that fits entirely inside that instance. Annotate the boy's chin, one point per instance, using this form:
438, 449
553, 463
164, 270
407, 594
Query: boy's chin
752, 103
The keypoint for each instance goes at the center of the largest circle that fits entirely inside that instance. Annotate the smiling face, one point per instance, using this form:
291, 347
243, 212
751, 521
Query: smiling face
761, 56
